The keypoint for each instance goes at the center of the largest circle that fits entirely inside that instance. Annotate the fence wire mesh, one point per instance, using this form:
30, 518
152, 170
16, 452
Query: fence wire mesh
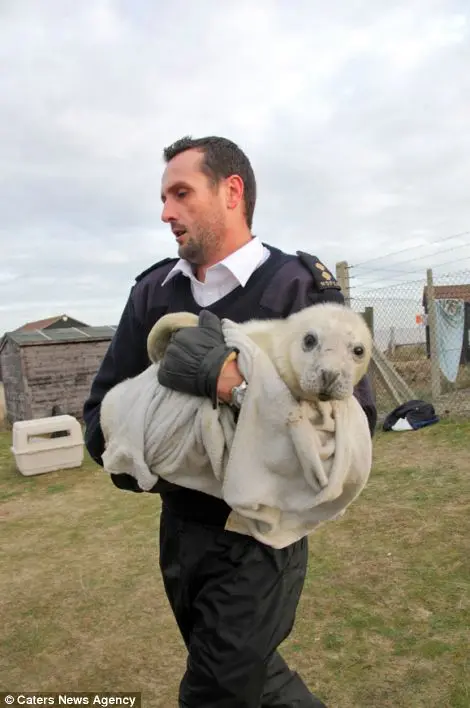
423, 339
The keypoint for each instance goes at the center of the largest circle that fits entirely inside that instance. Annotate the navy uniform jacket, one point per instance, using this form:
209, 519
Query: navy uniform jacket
280, 286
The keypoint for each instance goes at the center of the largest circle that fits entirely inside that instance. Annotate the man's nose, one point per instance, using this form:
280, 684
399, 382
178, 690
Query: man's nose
168, 213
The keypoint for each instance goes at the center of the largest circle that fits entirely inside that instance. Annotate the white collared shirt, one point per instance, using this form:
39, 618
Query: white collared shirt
224, 276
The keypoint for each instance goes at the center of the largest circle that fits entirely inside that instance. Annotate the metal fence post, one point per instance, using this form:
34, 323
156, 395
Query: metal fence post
432, 324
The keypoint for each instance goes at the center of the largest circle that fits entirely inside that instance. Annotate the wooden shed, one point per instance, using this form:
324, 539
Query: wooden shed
46, 368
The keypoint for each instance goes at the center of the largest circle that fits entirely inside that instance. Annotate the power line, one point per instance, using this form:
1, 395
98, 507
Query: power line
410, 248
407, 272
412, 260
394, 284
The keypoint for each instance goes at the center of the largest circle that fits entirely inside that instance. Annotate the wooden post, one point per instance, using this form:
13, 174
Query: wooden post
342, 276
432, 323
369, 318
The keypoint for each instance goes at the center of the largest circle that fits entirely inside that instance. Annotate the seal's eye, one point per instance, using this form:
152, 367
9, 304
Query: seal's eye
310, 342
359, 350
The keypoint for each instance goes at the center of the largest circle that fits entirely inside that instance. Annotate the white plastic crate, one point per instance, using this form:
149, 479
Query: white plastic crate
35, 454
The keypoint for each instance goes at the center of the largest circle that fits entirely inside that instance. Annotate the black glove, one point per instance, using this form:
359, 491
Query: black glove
195, 357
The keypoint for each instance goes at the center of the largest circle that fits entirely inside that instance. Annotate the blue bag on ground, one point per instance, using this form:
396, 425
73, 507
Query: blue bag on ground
415, 414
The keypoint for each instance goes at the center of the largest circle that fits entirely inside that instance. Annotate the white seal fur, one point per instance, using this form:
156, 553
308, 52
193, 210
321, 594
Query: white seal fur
320, 352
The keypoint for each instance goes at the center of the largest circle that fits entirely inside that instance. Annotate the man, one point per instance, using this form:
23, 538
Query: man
234, 599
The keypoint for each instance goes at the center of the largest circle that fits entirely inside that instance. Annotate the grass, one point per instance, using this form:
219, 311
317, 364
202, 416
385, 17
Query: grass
383, 620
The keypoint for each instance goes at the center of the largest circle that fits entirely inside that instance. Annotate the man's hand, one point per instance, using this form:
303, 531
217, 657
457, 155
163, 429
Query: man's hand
230, 376
195, 358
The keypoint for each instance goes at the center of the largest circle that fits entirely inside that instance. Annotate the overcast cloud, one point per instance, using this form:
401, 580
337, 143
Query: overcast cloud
355, 115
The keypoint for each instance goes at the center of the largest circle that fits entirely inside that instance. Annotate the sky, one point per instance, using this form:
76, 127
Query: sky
355, 116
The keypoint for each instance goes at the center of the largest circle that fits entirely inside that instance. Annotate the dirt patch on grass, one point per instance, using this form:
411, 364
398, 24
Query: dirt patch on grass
415, 369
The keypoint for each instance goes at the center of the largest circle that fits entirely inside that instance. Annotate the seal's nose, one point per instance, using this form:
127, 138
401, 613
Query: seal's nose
329, 378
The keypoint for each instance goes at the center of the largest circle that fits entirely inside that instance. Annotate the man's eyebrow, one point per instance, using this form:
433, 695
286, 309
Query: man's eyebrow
174, 188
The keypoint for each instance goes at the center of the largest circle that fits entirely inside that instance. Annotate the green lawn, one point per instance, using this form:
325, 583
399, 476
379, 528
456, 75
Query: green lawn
384, 619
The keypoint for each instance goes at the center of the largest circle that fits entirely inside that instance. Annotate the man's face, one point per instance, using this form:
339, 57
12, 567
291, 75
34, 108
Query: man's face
193, 207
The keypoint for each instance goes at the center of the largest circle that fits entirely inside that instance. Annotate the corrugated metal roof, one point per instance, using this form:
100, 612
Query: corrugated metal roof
56, 336
45, 323
39, 324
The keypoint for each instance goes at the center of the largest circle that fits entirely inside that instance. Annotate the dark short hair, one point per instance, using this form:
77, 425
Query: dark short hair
222, 158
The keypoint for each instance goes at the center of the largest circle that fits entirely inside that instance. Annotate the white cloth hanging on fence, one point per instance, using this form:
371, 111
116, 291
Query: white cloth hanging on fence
450, 320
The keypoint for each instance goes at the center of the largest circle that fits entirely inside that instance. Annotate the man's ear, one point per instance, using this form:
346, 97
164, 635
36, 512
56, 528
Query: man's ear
234, 191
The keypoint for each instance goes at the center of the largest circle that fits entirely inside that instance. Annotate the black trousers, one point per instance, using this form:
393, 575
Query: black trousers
234, 601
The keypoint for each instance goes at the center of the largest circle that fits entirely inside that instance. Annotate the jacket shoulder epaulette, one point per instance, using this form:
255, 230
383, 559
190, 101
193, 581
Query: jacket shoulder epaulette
153, 267
322, 277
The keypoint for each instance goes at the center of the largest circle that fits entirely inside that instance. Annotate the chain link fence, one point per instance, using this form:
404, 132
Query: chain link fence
422, 341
